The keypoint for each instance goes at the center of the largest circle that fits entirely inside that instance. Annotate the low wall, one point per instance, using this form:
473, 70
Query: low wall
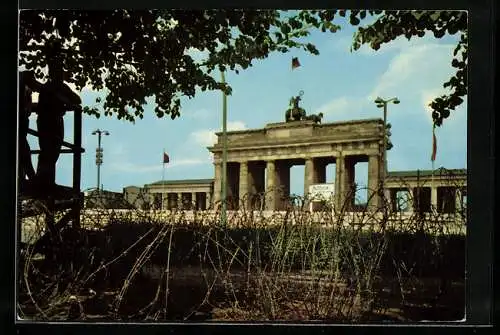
99, 218
449, 223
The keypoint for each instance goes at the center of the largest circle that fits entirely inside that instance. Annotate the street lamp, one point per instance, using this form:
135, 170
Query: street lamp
224, 154
99, 155
381, 103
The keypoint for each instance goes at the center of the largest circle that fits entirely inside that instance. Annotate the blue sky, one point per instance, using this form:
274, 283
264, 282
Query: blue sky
338, 83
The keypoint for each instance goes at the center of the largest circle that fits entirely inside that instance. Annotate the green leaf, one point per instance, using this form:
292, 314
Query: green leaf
285, 29
435, 15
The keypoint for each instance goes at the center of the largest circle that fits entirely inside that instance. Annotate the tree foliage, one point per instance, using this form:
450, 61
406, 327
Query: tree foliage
139, 54
389, 25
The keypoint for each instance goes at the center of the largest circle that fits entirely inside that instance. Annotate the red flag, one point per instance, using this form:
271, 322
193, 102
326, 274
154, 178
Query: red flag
295, 63
166, 159
434, 144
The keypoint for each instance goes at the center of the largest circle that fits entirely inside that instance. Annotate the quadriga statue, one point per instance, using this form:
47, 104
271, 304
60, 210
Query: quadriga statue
295, 112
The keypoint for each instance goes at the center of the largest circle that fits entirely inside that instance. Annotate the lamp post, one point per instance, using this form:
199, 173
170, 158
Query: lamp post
381, 103
224, 154
99, 155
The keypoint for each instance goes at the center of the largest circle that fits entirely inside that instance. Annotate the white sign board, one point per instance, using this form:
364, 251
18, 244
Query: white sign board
322, 192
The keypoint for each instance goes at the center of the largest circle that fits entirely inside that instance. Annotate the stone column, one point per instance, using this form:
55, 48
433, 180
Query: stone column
243, 189
256, 183
270, 186
373, 180
207, 200
282, 183
394, 199
348, 184
179, 201
252, 185
194, 203
308, 175
217, 184
458, 200
434, 198
388, 197
410, 200
339, 181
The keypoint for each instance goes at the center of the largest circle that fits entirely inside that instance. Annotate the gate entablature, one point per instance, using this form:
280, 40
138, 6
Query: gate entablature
278, 144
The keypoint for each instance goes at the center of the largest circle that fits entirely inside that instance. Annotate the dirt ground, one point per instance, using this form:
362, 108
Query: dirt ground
235, 299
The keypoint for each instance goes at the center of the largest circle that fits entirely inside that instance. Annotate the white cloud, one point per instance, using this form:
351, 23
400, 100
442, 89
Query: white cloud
398, 44
236, 125
344, 108
413, 69
186, 162
335, 106
207, 137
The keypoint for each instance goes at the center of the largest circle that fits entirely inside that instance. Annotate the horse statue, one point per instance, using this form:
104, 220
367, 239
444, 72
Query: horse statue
315, 117
295, 112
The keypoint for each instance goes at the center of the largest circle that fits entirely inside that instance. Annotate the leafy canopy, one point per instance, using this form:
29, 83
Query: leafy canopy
141, 54
389, 25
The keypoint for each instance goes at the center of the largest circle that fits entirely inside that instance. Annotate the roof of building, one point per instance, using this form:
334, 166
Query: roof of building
132, 186
182, 181
425, 173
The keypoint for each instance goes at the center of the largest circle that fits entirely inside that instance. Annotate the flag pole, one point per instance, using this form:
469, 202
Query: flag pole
433, 156
163, 177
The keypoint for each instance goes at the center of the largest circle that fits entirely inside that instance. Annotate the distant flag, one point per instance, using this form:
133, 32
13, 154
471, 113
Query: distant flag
166, 159
295, 63
434, 144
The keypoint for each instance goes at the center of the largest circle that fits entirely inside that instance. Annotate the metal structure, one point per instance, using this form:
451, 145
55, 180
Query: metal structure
381, 103
99, 155
224, 154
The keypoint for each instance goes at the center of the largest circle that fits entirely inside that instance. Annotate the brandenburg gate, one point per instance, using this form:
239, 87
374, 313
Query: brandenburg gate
259, 160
